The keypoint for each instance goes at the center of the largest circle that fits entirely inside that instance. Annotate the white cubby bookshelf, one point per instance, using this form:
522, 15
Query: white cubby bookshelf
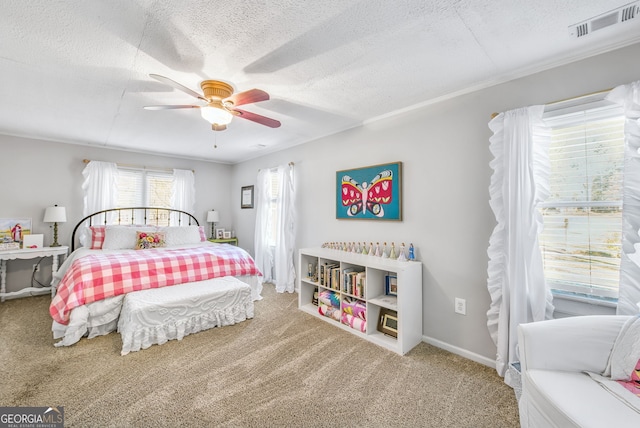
407, 303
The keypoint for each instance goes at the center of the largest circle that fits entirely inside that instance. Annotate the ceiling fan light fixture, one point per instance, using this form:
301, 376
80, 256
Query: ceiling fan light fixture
216, 115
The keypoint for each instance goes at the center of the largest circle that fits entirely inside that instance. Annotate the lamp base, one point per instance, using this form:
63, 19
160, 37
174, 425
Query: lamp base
55, 236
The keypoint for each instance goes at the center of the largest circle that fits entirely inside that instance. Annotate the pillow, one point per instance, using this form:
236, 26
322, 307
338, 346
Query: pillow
122, 237
146, 240
182, 235
97, 237
203, 235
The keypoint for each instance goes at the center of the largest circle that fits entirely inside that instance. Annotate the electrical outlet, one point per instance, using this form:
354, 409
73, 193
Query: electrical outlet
35, 268
461, 306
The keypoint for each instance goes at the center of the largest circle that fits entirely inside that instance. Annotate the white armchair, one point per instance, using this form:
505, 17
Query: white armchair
555, 390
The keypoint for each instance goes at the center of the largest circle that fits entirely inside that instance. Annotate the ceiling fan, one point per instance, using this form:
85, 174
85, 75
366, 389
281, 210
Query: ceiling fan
221, 103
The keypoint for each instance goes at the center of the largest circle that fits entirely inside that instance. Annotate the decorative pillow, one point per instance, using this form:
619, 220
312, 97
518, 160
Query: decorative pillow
122, 237
182, 235
203, 234
97, 237
146, 240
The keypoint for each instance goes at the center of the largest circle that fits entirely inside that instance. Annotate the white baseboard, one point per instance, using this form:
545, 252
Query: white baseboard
460, 351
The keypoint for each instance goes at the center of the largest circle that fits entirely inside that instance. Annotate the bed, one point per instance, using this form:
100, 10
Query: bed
128, 250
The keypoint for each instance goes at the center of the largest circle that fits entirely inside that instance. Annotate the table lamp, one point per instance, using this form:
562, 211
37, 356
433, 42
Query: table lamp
213, 217
55, 215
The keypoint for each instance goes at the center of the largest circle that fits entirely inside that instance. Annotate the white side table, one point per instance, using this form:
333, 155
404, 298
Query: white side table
25, 254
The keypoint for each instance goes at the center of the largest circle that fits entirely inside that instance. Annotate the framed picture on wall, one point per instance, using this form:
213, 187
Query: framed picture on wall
246, 197
371, 193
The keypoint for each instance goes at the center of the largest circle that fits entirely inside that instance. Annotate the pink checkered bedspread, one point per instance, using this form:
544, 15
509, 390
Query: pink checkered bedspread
97, 276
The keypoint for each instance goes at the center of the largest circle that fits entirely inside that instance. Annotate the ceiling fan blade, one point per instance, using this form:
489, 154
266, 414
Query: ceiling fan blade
248, 97
262, 120
169, 107
178, 86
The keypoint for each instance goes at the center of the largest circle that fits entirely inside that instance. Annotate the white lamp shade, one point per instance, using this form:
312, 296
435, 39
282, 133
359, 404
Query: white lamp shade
213, 216
55, 215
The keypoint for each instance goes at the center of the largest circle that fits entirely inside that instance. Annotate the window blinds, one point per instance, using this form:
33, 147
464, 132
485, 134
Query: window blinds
581, 237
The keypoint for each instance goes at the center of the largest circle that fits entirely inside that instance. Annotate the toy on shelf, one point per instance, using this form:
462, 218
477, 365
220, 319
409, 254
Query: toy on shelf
384, 251
392, 253
412, 254
402, 257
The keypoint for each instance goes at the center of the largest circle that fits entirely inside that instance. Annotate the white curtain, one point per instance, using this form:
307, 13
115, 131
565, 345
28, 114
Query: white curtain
285, 273
183, 193
100, 186
275, 227
520, 181
263, 254
629, 289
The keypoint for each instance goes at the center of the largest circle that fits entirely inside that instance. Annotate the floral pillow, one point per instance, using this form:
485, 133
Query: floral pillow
146, 240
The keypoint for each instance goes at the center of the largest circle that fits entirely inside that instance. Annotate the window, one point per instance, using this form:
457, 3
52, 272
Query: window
581, 239
142, 187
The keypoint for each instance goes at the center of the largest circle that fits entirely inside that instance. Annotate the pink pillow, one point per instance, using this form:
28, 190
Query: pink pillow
203, 235
97, 237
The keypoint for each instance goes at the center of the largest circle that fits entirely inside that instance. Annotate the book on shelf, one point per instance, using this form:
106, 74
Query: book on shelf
325, 273
361, 279
346, 277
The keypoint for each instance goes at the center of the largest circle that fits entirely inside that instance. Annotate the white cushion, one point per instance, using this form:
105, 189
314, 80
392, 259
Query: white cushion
557, 398
181, 235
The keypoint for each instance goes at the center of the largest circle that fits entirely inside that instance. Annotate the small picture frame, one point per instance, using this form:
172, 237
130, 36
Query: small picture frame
391, 285
219, 233
388, 322
32, 241
246, 197
226, 235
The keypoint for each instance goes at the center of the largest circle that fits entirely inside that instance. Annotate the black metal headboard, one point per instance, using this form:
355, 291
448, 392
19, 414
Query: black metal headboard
136, 215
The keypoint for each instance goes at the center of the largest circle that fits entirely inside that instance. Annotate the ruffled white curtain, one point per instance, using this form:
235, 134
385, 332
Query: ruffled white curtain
263, 254
628, 96
274, 246
520, 181
100, 188
285, 273
183, 193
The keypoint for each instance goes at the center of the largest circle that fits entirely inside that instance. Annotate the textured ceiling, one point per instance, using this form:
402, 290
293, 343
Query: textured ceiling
78, 71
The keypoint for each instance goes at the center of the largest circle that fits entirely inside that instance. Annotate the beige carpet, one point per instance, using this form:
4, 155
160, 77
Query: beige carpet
282, 368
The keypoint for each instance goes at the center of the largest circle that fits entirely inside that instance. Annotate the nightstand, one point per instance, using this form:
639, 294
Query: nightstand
25, 254
233, 241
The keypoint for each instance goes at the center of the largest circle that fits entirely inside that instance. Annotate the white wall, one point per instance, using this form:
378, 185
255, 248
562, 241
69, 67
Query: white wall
36, 174
445, 156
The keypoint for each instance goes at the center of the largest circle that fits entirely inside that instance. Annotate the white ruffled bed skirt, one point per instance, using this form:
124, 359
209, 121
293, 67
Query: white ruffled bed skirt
153, 317
100, 318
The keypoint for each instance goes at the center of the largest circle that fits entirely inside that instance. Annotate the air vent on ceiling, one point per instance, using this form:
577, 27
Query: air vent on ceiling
622, 14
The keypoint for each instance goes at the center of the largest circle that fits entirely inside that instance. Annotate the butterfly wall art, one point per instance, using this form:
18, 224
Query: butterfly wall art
372, 192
